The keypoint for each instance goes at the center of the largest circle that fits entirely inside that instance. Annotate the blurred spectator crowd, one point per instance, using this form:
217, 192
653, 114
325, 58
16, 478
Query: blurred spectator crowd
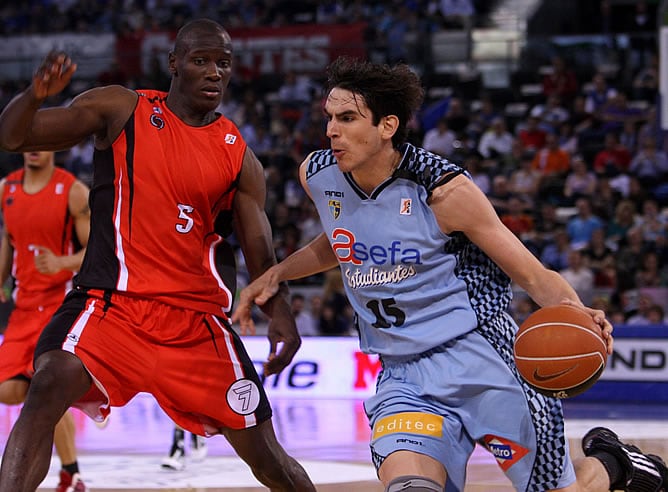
579, 171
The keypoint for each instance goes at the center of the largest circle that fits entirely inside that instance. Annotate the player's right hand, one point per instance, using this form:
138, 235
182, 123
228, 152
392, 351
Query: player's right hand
257, 292
53, 75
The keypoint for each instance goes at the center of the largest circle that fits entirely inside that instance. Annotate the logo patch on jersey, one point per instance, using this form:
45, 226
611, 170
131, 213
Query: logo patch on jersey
157, 110
60, 187
406, 206
12, 188
243, 396
425, 424
157, 122
230, 139
507, 453
73, 337
334, 208
386, 264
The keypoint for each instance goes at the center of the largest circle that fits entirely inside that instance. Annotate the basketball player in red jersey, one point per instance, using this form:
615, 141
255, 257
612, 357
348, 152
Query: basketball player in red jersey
45, 212
147, 312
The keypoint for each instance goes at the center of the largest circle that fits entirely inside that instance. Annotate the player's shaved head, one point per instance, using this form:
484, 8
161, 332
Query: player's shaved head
195, 30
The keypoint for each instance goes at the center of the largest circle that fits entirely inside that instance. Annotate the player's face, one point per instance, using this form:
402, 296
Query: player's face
355, 141
203, 70
37, 160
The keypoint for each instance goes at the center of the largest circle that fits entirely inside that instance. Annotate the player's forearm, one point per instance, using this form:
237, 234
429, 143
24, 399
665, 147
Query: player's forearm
16, 120
550, 288
316, 257
6, 256
72, 262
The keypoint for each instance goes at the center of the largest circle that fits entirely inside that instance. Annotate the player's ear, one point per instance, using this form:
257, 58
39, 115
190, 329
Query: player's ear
389, 125
172, 64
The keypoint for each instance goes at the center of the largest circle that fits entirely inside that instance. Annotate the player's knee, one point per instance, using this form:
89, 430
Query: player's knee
13, 391
412, 483
61, 375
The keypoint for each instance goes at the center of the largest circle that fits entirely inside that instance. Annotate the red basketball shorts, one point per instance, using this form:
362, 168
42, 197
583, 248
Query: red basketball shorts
193, 363
20, 339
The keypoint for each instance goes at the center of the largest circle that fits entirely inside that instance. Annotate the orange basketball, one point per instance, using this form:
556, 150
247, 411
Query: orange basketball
559, 351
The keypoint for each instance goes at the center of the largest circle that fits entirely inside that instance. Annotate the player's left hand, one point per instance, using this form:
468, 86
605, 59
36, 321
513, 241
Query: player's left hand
261, 290
46, 261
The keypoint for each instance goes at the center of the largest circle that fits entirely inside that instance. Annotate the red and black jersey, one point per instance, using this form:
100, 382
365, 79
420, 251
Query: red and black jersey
157, 193
38, 219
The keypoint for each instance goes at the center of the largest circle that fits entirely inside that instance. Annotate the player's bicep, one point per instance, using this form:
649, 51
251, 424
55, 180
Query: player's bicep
460, 206
99, 111
251, 224
80, 211
302, 175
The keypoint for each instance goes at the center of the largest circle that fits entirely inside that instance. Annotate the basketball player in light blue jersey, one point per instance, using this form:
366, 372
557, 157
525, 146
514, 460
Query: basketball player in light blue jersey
427, 266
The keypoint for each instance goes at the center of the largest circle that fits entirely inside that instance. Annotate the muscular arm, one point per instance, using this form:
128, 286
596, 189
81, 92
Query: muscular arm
101, 112
6, 254
254, 233
461, 206
78, 205
317, 256
251, 224
49, 263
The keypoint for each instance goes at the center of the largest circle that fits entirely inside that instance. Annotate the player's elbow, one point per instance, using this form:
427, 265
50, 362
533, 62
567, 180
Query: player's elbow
8, 141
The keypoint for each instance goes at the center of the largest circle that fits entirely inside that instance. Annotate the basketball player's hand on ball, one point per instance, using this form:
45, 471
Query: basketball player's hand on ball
53, 75
599, 317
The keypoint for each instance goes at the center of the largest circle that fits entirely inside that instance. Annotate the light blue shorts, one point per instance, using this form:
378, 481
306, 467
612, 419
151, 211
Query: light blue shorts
443, 402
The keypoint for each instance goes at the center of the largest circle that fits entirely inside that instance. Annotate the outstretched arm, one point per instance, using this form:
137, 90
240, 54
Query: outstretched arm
315, 257
101, 111
253, 230
461, 206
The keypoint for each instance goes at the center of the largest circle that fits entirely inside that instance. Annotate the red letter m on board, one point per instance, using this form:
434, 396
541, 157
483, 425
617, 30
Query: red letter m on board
366, 364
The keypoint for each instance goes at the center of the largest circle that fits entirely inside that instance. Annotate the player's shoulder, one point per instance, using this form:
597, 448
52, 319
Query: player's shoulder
426, 168
151, 95
319, 160
107, 95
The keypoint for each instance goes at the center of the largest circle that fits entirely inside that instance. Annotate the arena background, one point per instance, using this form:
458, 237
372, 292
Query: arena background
498, 54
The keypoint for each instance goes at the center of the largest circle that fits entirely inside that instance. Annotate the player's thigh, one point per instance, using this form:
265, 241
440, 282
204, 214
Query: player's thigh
208, 382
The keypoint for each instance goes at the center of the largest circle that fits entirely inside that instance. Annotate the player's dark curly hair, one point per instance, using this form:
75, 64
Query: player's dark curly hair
386, 90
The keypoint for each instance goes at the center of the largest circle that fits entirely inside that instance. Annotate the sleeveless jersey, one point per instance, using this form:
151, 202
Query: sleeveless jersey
157, 199
412, 286
38, 219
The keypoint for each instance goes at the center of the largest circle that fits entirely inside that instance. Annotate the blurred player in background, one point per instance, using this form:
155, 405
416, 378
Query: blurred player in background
47, 222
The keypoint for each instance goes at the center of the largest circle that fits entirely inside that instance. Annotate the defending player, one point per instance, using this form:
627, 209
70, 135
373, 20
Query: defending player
147, 313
